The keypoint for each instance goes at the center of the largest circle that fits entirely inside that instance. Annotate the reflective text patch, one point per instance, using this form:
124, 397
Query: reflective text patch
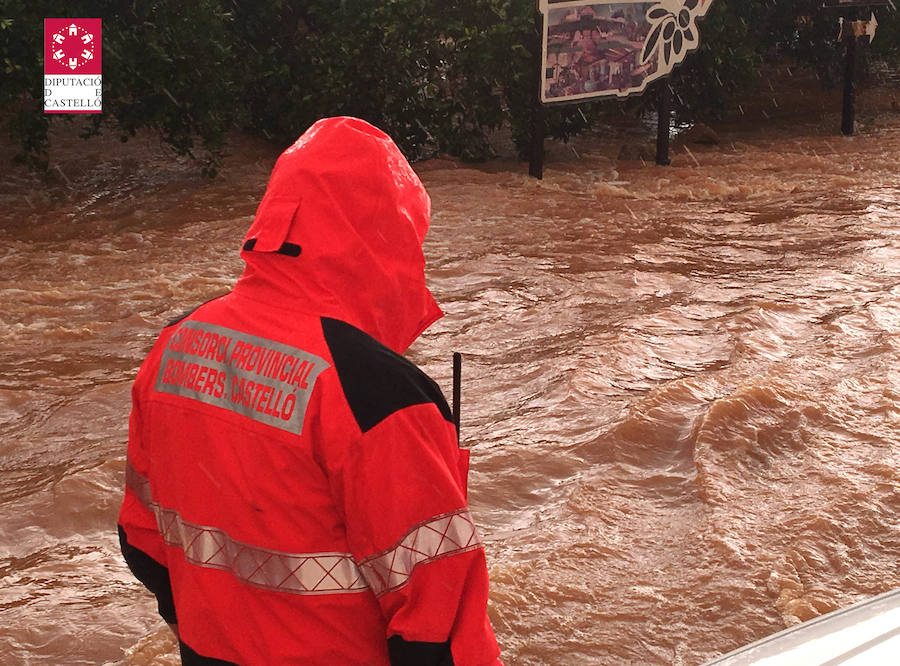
267, 381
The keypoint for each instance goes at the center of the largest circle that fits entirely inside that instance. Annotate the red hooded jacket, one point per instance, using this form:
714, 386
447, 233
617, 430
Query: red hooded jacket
295, 493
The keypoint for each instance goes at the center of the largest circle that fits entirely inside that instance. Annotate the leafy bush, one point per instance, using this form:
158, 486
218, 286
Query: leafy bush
438, 77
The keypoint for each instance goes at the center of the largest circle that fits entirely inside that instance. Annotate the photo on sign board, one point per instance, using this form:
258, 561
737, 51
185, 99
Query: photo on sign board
614, 48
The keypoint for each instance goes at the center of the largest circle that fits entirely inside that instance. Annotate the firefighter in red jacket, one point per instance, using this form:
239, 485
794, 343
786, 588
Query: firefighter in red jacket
295, 493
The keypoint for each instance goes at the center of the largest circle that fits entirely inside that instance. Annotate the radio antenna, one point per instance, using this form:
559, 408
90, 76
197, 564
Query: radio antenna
457, 390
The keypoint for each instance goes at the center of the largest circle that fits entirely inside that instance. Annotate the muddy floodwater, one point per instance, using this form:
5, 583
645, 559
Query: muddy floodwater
681, 385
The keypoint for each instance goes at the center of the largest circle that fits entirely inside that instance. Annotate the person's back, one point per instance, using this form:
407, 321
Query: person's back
293, 483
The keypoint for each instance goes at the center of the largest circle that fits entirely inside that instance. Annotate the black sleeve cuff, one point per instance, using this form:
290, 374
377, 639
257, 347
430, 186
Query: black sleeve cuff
152, 574
417, 653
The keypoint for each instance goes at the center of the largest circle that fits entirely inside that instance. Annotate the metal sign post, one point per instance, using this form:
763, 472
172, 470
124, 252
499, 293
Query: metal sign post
536, 150
848, 111
851, 30
663, 124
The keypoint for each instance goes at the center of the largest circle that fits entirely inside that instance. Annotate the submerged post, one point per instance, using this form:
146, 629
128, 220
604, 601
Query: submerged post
536, 149
853, 29
457, 390
848, 114
664, 113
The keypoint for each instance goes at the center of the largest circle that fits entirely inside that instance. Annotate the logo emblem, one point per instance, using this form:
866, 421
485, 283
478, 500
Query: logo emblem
72, 46
72, 65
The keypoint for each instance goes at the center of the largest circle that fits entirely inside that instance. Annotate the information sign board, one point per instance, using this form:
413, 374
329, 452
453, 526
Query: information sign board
614, 48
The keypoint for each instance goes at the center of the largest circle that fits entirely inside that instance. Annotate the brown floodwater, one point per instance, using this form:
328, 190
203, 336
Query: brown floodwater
681, 384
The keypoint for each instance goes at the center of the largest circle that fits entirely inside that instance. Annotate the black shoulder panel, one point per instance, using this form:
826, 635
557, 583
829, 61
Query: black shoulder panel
377, 381
182, 316
187, 314
417, 653
191, 658
152, 574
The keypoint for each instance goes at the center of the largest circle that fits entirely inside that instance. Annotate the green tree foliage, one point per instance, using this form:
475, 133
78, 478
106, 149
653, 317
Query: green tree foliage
438, 77
169, 65
21, 66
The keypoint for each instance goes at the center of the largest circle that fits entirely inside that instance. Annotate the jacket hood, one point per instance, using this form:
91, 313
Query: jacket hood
339, 233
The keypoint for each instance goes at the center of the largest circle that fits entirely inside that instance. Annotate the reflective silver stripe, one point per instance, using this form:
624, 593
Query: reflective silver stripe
139, 485
204, 546
441, 536
311, 573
